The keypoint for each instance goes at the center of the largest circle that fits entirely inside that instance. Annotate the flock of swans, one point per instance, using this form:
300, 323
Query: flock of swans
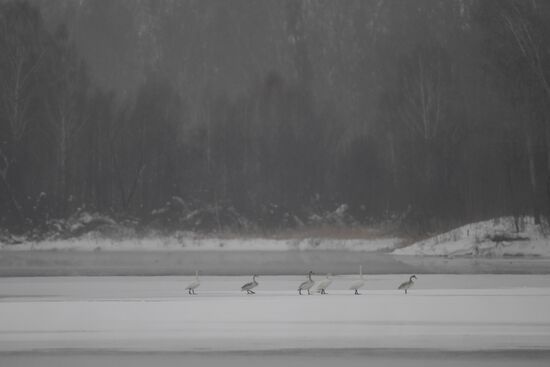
321, 285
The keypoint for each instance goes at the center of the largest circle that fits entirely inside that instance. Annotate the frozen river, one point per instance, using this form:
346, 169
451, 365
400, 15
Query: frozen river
66, 262
447, 320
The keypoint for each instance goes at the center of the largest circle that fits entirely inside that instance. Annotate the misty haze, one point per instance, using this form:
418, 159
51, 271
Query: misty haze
312, 182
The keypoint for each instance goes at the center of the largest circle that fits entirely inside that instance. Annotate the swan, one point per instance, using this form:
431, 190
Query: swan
306, 285
194, 284
359, 283
248, 286
408, 284
324, 284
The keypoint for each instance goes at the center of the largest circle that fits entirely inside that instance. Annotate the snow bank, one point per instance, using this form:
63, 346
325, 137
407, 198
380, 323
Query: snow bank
190, 242
493, 238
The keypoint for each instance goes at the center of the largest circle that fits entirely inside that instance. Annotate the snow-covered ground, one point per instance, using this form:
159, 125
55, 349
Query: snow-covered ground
500, 237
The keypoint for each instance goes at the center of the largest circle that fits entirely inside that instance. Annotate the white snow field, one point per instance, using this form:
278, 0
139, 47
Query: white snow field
445, 320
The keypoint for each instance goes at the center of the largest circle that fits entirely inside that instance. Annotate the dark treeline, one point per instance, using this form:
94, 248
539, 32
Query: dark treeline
436, 112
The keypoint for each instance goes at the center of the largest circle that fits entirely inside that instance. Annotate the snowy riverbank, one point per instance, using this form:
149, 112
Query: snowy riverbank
191, 242
496, 246
500, 237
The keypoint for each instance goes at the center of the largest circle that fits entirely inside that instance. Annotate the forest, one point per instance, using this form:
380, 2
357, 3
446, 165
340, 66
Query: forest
270, 114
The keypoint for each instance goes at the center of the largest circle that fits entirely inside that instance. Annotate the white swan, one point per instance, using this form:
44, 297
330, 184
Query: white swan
248, 286
306, 286
408, 284
359, 283
194, 284
324, 284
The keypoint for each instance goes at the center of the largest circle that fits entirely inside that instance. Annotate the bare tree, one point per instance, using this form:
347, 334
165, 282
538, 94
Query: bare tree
21, 57
66, 106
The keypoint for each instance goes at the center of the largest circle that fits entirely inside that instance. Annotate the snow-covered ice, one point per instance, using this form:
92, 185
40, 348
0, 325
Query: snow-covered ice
295, 358
476, 312
445, 320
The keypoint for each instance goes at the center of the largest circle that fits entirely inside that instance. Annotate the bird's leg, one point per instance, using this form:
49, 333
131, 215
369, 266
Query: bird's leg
308, 292
189, 291
300, 292
405, 291
193, 291
356, 292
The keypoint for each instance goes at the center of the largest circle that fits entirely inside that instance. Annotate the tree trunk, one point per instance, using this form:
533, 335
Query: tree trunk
62, 168
533, 177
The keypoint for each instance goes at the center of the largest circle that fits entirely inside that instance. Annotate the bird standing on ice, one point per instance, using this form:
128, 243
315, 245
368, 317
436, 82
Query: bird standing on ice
194, 284
306, 286
408, 284
359, 283
324, 284
248, 286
